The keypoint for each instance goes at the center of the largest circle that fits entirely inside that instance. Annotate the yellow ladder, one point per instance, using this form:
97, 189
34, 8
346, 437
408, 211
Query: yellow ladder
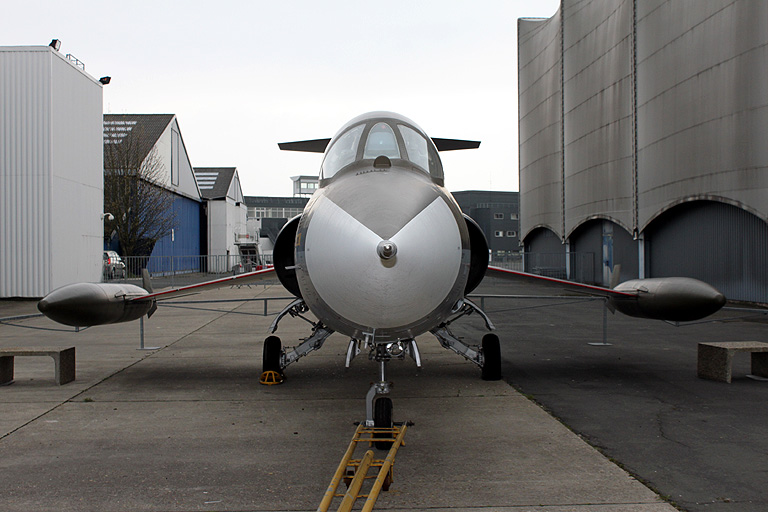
355, 471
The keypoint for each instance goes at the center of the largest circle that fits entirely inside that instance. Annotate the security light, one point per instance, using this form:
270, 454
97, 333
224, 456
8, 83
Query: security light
105, 80
55, 44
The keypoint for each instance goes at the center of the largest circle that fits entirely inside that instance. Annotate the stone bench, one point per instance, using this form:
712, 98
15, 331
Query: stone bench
715, 359
63, 358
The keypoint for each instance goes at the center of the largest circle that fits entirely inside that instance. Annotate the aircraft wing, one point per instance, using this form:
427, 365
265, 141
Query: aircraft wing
673, 299
514, 275
247, 278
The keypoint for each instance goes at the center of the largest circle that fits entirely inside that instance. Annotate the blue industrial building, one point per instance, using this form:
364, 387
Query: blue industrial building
159, 134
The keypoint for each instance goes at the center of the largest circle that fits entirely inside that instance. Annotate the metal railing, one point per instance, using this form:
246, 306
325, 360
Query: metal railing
574, 266
180, 270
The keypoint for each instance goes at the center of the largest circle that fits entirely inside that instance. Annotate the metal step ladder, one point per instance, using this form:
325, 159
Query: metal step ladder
355, 472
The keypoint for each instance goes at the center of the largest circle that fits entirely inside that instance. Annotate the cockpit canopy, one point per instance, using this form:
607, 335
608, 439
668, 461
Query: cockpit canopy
382, 134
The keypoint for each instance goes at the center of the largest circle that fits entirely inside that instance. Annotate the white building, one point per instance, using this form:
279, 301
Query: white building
226, 216
51, 173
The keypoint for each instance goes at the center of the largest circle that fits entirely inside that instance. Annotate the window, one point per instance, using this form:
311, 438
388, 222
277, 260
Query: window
499, 234
513, 216
381, 141
342, 153
416, 146
175, 156
511, 234
498, 216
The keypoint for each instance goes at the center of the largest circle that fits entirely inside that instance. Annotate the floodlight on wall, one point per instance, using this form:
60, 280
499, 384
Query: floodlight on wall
107, 216
55, 44
105, 80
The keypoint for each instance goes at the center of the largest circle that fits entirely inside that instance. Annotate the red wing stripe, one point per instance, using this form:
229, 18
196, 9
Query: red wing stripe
514, 274
218, 283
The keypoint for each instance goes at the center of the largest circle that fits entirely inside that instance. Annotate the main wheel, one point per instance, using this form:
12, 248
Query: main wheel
491, 357
382, 418
271, 356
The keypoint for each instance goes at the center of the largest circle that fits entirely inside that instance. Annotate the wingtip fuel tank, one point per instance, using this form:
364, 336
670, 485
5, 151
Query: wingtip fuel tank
675, 299
89, 304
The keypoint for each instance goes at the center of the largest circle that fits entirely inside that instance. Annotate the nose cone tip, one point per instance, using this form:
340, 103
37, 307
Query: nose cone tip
386, 249
720, 299
43, 306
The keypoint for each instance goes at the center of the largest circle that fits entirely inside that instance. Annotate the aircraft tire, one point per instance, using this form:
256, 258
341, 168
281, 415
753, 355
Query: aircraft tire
382, 418
492, 355
271, 355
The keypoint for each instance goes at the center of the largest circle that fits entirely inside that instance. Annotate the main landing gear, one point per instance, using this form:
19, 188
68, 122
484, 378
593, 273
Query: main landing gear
378, 405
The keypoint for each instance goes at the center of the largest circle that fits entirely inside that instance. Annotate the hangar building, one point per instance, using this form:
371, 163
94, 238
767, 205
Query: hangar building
643, 132
51, 174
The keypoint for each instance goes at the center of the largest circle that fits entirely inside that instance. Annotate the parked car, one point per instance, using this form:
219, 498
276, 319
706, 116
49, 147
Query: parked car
113, 265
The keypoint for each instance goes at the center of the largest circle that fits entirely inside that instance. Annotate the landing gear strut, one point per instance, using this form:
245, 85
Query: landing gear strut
275, 358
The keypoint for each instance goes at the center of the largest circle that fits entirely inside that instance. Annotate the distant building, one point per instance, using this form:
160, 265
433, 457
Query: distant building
497, 215
161, 131
225, 218
304, 186
51, 175
268, 214
643, 132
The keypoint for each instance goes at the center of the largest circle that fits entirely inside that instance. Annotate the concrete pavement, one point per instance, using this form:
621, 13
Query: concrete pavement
188, 427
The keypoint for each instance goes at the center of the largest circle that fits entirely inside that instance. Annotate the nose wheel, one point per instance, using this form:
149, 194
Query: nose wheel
382, 418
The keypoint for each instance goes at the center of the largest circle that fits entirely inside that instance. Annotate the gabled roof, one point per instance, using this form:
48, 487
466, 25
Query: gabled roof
214, 182
146, 128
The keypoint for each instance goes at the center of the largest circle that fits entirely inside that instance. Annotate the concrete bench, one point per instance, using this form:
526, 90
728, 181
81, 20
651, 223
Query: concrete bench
716, 359
63, 358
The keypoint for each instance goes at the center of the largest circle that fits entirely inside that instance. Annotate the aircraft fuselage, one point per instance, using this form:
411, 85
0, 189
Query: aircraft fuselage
382, 250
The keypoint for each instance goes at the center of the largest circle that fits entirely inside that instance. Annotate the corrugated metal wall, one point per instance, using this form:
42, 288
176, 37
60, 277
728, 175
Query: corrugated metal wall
598, 112
663, 102
50, 173
185, 241
25, 149
702, 103
715, 242
540, 104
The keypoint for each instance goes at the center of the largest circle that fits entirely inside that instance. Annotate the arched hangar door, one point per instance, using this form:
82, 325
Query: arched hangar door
597, 246
716, 242
545, 253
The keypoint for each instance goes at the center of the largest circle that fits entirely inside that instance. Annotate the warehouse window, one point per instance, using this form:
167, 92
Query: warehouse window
498, 216
499, 234
511, 233
175, 156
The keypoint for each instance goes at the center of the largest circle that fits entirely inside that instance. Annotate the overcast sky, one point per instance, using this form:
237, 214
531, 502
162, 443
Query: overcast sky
244, 75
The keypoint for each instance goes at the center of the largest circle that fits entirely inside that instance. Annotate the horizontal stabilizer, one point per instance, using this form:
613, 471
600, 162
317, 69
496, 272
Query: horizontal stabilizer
319, 145
454, 144
308, 146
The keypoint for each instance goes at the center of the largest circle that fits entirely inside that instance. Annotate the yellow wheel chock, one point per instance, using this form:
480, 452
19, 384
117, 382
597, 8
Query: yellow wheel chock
270, 378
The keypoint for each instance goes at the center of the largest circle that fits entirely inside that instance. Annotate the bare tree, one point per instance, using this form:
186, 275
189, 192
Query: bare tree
133, 193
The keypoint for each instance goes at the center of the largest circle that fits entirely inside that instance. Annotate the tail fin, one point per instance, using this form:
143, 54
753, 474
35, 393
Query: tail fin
615, 276
147, 285
145, 281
